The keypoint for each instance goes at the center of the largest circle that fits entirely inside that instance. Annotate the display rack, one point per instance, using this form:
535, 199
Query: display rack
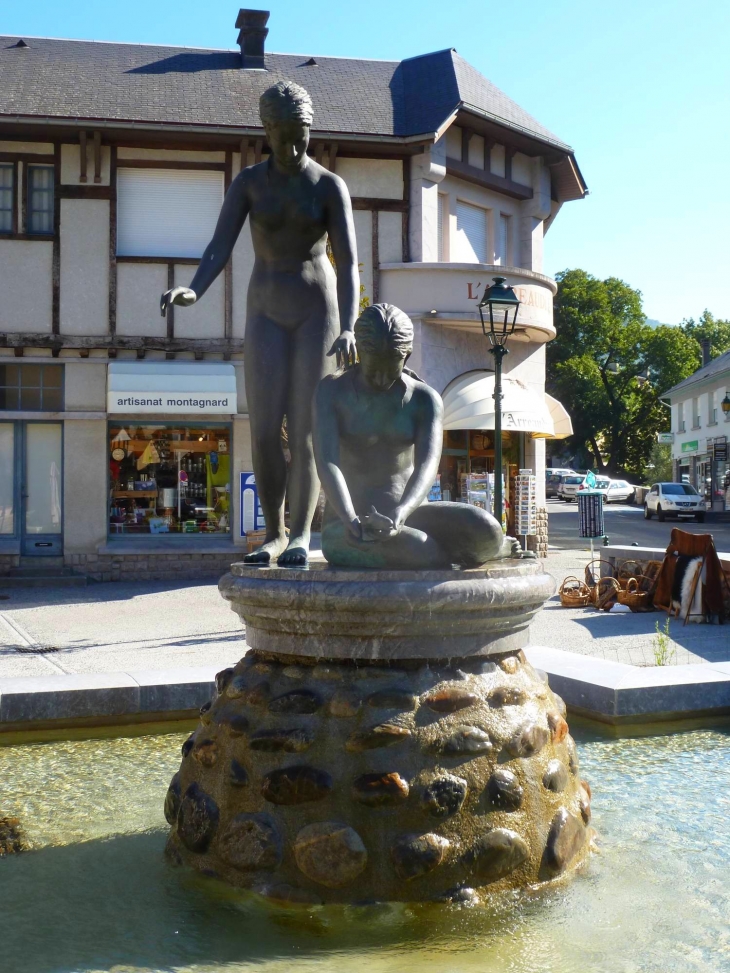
526, 504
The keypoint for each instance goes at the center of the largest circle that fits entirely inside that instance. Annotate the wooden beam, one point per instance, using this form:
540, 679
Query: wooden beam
141, 353
82, 156
171, 308
488, 179
509, 151
488, 145
113, 243
258, 148
333, 156
170, 355
18, 351
56, 256
122, 259
112, 344
384, 205
466, 135
375, 250
83, 352
406, 219
111, 353
85, 192
97, 156
244, 153
318, 152
228, 270
17, 174
157, 164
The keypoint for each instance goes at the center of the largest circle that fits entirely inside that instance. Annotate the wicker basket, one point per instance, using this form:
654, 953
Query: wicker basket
596, 569
605, 593
633, 596
574, 593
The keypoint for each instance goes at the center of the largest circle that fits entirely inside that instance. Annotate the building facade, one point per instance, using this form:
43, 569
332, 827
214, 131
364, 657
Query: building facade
124, 436
700, 431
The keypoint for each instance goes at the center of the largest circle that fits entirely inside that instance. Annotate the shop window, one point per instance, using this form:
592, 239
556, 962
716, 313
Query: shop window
40, 199
166, 212
31, 388
7, 468
169, 479
471, 234
7, 186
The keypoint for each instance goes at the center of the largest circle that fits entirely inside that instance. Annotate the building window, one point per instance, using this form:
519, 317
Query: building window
169, 479
695, 413
502, 240
166, 212
471, 234
712, 408
40, 199
31, 388
7, 479
7, 207
680, 417
442, 216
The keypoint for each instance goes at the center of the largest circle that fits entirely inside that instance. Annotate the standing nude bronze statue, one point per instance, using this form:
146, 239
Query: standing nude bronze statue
296, 307
377, 440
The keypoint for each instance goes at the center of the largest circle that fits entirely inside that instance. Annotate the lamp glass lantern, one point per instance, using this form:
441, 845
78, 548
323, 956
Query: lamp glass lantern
725, 404
498, 312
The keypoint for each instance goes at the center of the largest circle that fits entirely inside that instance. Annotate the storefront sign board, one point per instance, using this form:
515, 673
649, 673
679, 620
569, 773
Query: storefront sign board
665, 438
690, 447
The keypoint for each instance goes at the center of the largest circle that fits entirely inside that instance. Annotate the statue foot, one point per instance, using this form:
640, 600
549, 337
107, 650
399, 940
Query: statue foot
296, 555
267, 551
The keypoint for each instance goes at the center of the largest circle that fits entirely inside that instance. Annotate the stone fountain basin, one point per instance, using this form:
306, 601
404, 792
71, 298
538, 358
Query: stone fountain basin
373, 615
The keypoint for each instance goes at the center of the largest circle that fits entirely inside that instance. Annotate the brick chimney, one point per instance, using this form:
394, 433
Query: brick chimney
705, 345
251, 37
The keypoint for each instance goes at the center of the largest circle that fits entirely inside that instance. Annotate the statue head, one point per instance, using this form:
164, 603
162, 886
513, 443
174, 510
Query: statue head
384, 336
286, 113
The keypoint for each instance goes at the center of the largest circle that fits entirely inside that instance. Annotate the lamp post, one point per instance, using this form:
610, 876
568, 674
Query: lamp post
498, 311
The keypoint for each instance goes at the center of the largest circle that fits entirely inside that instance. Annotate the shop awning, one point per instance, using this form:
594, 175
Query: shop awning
177, 388
469, 404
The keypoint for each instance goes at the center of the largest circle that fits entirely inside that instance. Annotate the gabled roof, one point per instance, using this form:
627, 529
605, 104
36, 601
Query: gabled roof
707, 372
144, 83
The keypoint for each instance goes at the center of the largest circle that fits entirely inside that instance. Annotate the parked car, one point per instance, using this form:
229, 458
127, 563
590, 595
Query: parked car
553, 479
569, 486
674, 499
601, 486
619, 491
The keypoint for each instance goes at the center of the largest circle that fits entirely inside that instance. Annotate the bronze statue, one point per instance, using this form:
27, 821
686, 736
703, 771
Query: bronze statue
377, 442
296, 307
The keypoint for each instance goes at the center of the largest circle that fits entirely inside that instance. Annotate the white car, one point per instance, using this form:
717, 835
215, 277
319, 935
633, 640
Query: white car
674, 499
569, 486
619, 491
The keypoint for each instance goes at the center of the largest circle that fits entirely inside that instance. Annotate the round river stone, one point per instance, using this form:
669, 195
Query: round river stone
330, 853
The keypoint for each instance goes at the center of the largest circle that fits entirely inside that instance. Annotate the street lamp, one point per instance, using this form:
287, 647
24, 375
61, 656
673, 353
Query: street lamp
498, 311
725, 404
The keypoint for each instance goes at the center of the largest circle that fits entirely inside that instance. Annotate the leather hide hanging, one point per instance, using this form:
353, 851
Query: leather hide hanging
684, 589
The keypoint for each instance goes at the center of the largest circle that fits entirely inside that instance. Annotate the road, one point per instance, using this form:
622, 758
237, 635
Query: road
625, 524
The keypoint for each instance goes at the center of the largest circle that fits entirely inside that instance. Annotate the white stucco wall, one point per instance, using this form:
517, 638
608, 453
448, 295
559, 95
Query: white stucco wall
205, 319
71, 164
84, 498
85, 385
380, 178
84, 308
139, 287
25, 285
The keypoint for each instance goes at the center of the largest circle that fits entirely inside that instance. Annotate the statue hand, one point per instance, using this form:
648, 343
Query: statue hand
376, 526
345, 349
178, 295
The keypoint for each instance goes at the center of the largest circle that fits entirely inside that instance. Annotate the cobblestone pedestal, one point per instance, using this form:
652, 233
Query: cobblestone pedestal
398, 775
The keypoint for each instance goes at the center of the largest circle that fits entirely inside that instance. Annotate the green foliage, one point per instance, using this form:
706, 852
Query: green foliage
661, 461
662, 646
597, 364
708, 326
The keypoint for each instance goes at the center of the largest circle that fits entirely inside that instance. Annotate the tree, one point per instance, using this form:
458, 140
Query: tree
609, 369
708, 326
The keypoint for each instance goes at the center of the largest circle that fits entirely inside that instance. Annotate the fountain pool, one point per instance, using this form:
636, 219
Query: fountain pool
97, 894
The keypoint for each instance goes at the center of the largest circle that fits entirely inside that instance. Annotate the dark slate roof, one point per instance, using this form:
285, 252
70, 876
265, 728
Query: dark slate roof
713, 369
151, 84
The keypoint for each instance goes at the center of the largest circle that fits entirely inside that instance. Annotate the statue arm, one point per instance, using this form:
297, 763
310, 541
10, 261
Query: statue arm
427, 453
230, 221
341, 230
326, 442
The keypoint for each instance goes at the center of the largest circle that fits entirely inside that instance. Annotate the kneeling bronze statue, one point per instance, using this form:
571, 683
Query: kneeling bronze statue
377, 442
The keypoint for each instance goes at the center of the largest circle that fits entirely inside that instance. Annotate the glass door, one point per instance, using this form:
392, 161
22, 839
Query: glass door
42, 520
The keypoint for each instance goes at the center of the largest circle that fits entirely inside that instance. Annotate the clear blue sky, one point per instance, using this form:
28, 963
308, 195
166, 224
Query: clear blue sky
640, 89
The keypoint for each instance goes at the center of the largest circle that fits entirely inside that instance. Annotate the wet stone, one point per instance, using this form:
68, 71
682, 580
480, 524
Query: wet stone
558, 727
504, 792
262, 668
510, 664
565, 840
205, 711
188, 745
462, 895
222, 679
172, 799
417, 855
528, 740
555, 777
344, 704
399, 699
294, 672
327, 673
330, 853
450, 700
573, 762
287, 740
383, 735
444, 795
197, 819
250, 695
465, 739
296, 785
237, 775
496, 854
506, 696
297, 701
380, 790
584, 801
560, 703
250, 843
237, 724
206, 752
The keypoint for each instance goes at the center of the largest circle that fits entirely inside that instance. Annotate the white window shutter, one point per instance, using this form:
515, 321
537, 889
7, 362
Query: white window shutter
166, 212
440, 227
471, 234
500, 249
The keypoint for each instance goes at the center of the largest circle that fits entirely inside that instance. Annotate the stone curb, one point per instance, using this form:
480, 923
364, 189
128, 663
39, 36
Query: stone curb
614, 692
105, 696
